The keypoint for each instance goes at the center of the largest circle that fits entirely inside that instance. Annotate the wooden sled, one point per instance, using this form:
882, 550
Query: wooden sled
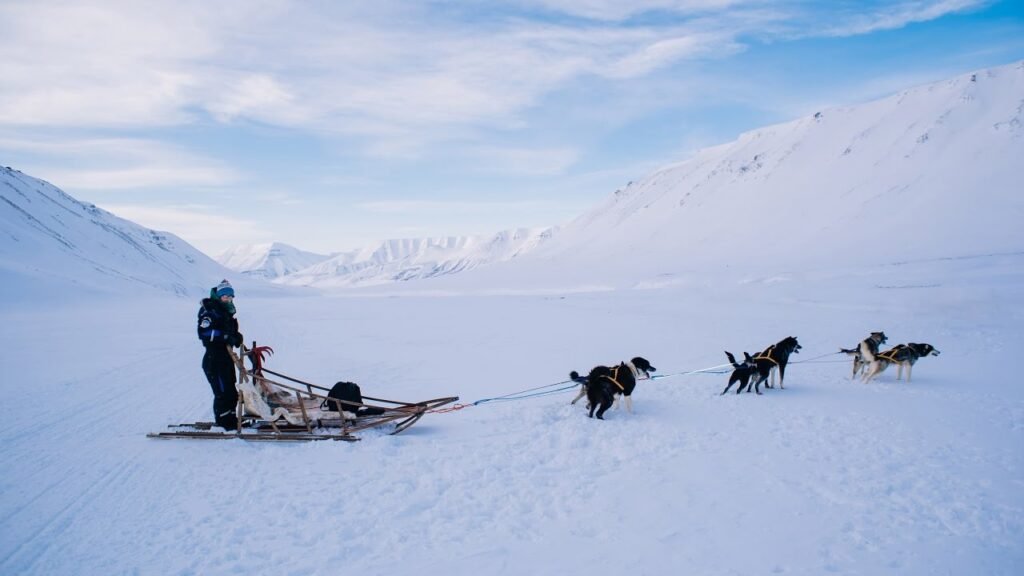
270, 410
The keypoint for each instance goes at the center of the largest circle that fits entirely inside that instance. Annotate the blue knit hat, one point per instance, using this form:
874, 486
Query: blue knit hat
225, 289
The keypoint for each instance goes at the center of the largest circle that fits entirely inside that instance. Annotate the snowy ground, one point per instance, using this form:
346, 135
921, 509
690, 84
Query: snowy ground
827, 476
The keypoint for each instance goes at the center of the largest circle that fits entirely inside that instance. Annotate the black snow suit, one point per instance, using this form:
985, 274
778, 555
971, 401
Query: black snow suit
217, 330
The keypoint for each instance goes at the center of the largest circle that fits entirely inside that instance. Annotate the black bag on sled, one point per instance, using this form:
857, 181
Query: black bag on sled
349, 392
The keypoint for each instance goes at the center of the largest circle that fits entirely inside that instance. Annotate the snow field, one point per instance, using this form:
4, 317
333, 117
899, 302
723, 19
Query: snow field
826, 476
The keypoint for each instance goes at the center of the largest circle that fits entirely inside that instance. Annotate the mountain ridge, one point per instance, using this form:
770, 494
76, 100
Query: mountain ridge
58, 245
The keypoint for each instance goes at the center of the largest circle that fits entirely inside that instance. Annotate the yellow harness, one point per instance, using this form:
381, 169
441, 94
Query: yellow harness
613, 378
890, 355
766, 355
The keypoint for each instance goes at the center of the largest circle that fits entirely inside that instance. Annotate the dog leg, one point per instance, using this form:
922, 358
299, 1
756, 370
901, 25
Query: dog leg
909, 368
583, 392
629, 404
605, 405
874, 369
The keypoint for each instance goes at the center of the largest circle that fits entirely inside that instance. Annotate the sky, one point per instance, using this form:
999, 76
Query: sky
333, 125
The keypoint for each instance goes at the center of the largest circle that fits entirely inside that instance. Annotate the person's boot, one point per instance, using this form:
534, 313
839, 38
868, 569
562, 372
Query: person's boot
228, 421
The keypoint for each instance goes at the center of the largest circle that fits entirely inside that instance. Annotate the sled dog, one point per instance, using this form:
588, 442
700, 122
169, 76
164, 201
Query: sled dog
860, 360
774, 357
604, 384
742, 372
903, 355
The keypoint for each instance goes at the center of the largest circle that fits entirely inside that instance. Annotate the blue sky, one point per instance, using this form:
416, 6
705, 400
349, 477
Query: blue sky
331, 125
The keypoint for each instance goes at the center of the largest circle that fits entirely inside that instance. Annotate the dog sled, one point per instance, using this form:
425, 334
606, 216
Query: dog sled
286, 409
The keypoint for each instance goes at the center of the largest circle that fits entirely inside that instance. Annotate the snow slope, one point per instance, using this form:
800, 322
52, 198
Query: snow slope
268, 261
53, 244
908, 177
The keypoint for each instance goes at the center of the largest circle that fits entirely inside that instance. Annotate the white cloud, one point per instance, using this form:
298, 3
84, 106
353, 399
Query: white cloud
614, 10
446, 207
395, 75
523, 161
119, 163
198, 225
892, 16
142, 64
140, 177
256, 96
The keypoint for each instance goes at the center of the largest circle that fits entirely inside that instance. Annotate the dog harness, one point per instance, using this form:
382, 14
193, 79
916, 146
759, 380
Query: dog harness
615, 375
890, 355
614, 378
766, 355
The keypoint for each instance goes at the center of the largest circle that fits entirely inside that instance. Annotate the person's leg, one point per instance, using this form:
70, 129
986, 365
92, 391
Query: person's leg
221, 376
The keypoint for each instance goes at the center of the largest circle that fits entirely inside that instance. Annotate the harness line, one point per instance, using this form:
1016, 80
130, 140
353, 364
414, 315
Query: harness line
539, 391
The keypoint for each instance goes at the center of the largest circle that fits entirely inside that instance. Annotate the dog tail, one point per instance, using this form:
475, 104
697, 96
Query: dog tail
849, 351
732, 359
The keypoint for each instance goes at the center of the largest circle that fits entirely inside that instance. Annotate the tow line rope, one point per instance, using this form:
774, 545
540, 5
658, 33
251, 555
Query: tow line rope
816, 360
520, 395
539, 391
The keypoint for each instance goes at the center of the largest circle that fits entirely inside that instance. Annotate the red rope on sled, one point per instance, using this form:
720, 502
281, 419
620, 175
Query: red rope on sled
451, 408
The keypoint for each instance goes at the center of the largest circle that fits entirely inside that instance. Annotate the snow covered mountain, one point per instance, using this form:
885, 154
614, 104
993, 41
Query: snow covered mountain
931, 172
269, 261
410, 259
54, 244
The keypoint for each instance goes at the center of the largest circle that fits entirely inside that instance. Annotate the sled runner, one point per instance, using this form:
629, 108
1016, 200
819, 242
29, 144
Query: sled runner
270, 410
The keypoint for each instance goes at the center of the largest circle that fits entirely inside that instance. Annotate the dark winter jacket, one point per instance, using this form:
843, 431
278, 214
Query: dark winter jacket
216, 326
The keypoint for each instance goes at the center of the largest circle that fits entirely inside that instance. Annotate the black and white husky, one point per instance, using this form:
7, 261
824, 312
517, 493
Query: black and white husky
902, 355
604, 384
864, 351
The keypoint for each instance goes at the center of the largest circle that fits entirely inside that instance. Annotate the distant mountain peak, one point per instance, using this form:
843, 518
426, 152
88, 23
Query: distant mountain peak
404, 259
268, 261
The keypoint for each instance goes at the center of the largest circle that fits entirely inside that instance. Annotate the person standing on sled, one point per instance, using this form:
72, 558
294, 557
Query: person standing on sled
218, 329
